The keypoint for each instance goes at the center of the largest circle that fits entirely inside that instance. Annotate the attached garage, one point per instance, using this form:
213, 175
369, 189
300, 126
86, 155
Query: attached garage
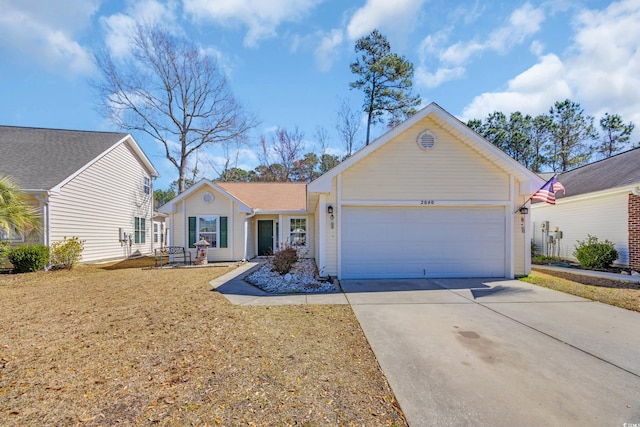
428, 199
418, 242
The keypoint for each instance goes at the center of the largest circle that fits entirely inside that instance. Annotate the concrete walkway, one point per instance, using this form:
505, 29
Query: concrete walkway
463, 352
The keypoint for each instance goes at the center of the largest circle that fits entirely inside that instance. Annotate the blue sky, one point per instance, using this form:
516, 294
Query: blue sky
288, 60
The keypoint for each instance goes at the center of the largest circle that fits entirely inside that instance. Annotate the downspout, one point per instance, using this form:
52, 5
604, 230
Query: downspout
46, 233
246, 233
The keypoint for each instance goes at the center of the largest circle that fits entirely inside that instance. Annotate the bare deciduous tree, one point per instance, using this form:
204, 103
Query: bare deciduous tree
348, 125
168, 88
287, 146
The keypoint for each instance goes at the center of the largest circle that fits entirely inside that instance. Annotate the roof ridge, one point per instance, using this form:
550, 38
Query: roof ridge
63, 130
599, 160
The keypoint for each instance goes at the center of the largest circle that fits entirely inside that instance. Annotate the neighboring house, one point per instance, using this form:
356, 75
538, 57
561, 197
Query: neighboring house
430, 198
96, 186
602, 199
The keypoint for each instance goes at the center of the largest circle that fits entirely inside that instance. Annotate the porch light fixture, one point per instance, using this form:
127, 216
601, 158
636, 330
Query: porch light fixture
330, 209
523, 210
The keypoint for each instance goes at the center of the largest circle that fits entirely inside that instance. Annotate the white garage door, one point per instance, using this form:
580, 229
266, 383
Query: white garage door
407, 242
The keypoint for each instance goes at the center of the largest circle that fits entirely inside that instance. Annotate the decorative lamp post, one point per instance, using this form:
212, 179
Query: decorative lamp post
201, 252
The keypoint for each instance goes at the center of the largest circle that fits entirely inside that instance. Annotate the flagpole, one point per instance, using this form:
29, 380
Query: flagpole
529, 199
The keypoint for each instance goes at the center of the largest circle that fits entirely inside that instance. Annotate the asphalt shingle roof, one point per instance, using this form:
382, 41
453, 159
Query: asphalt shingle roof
269, 196
616, 171
40, 159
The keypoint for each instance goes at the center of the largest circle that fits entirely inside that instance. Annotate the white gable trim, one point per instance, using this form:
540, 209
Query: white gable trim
131, 143
530, 182
170, 207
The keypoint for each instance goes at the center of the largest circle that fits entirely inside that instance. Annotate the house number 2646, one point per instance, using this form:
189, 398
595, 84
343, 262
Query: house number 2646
427, 202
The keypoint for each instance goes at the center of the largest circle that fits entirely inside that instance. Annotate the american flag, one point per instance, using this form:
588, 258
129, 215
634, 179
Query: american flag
548, 191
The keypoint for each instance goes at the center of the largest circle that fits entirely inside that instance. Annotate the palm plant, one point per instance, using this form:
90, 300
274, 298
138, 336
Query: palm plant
14, 210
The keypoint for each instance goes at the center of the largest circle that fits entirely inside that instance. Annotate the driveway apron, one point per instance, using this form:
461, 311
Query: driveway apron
461, 352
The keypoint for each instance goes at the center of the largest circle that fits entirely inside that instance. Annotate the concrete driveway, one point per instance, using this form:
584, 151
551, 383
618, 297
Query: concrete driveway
479, 352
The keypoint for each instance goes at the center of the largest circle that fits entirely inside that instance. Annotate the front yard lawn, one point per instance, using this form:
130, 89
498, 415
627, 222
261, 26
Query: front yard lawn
613, 292
107, 345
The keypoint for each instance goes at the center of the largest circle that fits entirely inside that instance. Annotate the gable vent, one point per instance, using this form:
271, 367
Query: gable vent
426, 140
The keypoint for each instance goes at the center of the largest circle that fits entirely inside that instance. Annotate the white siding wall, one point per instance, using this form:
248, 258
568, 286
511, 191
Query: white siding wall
100, 200
252, 238
605, 217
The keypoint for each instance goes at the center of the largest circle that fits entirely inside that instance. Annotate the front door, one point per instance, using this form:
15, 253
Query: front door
265, 237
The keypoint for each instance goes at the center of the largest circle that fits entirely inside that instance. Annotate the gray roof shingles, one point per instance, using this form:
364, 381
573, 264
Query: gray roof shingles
40, 159
616, 171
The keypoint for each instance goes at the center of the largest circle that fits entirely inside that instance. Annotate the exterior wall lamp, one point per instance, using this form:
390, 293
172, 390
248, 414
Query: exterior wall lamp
523, 210
330, 209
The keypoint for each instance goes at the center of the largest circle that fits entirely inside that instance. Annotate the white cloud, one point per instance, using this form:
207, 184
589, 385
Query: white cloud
261, 17
601, 70
398, 14
522, 23
120, 25
325, 53
531, 92
45, 31
430, 80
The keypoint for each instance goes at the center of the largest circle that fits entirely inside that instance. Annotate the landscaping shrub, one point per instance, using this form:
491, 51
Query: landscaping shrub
4, 247
284, 259
594, 254
66, 253
29, 258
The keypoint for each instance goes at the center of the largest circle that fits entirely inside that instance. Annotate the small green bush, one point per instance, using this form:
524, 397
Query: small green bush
594, 254
29, 258
66, 254
284, 259
4, 247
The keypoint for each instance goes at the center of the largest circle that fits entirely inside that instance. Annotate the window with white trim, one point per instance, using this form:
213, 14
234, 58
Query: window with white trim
147, 185
207, 227
298, 232
158, 233
12, 234
139, 230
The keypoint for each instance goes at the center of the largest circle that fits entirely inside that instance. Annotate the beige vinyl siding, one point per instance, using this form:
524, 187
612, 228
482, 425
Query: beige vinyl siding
519, 236
316, 237
221, 206
332, 233
605, 217
97, 202
400, 170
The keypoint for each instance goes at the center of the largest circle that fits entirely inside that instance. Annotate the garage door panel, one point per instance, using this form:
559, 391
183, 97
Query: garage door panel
394, 242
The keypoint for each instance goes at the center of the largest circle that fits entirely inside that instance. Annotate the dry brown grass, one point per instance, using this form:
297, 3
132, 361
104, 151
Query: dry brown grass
111, 345
613, 292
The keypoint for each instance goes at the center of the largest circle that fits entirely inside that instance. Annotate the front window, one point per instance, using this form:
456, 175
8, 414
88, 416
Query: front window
298, 232
12, 234
208, 229
139, 228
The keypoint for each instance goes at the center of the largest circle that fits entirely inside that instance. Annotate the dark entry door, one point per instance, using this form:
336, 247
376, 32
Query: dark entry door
265, 237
